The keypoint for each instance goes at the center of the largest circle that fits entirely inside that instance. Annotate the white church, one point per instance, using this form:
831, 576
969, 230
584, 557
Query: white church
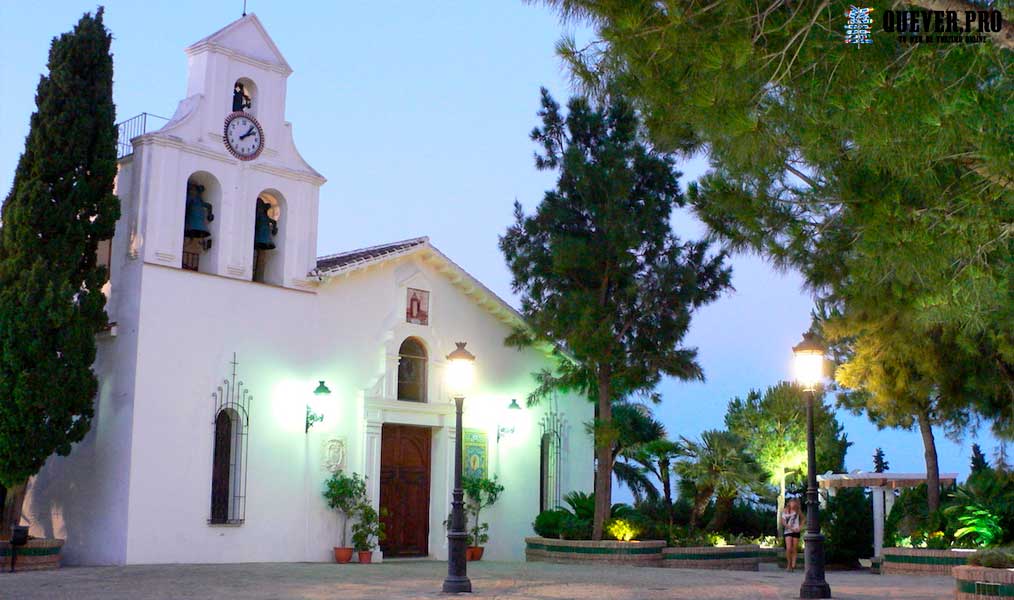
241, 370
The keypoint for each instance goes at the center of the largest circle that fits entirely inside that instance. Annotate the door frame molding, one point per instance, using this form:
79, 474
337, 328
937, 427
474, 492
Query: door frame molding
439, 418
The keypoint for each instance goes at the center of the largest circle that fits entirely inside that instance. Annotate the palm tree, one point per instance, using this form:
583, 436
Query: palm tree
718, 466
634, 429
658, 457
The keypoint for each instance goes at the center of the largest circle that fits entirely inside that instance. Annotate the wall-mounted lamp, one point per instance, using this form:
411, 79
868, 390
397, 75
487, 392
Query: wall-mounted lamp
312, 417
513, 410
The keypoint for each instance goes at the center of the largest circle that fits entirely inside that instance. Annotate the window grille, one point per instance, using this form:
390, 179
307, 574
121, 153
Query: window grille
553, 426
412, 371
230, 426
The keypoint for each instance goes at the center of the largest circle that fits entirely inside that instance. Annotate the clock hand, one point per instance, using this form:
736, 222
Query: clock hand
247, 134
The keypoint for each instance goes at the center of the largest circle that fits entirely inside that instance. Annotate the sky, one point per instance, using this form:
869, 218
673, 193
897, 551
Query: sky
418, 114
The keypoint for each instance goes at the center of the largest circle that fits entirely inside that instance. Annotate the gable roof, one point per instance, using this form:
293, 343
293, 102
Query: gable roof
334, 263
245, 37
345, 263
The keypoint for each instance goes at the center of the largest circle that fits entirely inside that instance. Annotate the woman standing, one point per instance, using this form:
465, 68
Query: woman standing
792, 521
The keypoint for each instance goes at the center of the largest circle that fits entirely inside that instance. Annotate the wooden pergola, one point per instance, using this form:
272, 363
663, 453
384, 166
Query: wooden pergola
882, 486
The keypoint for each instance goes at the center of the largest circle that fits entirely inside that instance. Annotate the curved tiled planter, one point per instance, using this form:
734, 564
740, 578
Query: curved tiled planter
730, 558
37, 555
915, 561
982, 583
638, 554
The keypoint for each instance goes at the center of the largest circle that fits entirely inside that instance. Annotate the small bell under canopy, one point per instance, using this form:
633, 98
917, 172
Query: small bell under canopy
265, 228
198, 214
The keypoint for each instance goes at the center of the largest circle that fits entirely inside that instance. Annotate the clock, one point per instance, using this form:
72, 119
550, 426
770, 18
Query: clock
243, 136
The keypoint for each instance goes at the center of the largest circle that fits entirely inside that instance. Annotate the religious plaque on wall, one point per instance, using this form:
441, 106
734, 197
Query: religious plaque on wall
417, 307
334, 455
473, 450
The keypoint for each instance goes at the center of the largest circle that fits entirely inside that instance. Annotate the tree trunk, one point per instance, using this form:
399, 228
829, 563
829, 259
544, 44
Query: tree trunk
663, 474
700, 505
13, 502
932, 468
723, 510
604, 455
779, 526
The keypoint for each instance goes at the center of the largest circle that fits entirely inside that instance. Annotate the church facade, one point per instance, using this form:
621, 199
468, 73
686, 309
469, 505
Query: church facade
240, 370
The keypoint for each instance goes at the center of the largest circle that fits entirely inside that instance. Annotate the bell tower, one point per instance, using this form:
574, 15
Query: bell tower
221, 188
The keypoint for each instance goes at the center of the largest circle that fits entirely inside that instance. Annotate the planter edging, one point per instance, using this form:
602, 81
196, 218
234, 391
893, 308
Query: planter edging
745, 557
39, 554
642, 553
982, 583
921, 561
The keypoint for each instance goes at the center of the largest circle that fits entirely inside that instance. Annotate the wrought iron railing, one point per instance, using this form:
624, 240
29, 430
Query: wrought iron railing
133, 127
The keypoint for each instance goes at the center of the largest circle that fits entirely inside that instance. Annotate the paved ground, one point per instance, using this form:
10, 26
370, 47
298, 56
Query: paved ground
421, 579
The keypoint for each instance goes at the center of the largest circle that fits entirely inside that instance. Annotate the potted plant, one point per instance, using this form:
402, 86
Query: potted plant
367, 531
344, 494
480, 493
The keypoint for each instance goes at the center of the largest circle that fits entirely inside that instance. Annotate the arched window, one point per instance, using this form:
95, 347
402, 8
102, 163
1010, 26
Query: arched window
226, 469
412, 371
243, 95
553, 426
269, 238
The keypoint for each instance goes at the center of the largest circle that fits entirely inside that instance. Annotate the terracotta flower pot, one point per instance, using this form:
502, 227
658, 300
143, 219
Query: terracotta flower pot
365, 557
342, 555
474, 552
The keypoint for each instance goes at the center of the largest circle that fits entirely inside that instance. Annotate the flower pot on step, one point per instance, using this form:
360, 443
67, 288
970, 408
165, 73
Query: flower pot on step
342, 555
474, 552
365, 557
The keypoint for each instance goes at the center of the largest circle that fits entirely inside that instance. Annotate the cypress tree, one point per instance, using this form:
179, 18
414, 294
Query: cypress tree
59, 208
880, 463
979, 462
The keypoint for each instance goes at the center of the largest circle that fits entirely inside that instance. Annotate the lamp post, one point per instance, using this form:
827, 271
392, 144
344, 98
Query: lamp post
460, 371
808, 356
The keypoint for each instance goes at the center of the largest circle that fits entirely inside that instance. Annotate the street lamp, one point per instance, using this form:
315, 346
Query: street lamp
808, 358
460, 373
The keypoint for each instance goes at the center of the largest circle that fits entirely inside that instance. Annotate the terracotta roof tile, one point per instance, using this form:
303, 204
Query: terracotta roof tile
341, 260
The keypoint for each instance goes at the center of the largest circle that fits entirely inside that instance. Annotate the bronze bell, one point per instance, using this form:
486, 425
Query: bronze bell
198, 214
265, 228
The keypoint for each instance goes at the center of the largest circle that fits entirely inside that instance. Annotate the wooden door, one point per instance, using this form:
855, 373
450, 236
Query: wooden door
405, 489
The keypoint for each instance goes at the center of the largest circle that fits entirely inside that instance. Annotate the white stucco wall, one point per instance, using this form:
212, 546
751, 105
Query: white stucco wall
285, 342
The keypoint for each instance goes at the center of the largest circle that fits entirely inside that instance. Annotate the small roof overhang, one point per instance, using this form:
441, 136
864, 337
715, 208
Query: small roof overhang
872, 479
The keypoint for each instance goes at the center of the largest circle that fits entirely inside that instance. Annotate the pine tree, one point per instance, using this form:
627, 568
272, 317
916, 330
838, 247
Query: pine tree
600, 271
773, 426
1001, 462
979, 462
880, 464
808, 166
59, 208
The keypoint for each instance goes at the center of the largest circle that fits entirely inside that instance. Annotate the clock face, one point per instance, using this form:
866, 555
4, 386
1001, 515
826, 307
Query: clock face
243, 136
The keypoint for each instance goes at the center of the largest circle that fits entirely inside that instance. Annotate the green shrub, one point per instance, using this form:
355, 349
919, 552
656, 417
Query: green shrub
751, 519
847, 528
582, 504
573, 527
622, 530
683, 537
994, 558
548, 523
